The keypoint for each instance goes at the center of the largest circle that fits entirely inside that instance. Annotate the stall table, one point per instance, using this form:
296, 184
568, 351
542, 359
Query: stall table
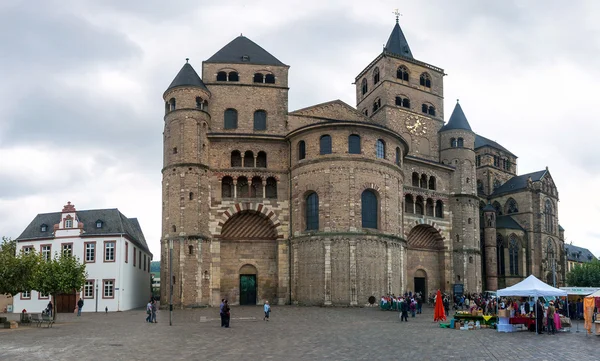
483, 320
528, 322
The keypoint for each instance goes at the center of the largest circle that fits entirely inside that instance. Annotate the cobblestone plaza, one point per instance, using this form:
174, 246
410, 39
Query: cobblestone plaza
294, 333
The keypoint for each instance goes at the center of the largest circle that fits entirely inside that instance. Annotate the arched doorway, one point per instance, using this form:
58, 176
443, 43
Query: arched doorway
248, 259
421, 282
426, 258
248, 285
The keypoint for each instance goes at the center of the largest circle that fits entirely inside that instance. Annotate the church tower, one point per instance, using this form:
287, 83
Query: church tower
491, 261
404, 94
457, 143
185, 181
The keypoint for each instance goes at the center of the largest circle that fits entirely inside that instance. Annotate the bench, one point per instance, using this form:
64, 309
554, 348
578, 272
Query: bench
36, 318
46, 319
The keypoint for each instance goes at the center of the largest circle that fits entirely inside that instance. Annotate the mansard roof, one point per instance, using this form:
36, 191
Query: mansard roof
114, 223
458, 120
519, 182
578, 254
397, 43
481, 141
187, 76
242, 50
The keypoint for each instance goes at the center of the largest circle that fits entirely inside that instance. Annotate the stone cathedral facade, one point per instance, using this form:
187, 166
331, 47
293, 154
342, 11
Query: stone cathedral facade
333, 204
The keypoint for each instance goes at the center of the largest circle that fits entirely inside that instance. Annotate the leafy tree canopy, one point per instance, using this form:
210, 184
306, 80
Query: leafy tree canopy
17, 269
585, 275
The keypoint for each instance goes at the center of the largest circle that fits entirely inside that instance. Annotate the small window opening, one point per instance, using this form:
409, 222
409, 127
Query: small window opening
191, 250
174, 150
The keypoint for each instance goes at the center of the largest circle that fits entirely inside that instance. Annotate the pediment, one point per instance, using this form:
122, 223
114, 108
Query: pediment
333, 110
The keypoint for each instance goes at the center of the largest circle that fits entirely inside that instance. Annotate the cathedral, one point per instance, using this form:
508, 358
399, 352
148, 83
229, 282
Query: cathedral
333, 204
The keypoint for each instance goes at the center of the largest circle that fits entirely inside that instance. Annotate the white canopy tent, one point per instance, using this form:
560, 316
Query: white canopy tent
595, 294
531, 287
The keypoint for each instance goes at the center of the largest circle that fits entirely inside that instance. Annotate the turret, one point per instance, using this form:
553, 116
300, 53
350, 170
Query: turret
457, 143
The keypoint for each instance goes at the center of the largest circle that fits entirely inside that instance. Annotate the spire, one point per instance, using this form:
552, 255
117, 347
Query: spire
187, 76
458, 120
397, 43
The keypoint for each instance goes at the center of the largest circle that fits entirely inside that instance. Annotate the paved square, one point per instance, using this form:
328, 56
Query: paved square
294, 333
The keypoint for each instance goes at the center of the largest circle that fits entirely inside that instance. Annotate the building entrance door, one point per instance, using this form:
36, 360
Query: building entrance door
247, 289
421, 283
65, 302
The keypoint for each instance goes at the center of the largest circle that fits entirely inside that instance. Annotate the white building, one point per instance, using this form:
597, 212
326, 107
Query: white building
113, 248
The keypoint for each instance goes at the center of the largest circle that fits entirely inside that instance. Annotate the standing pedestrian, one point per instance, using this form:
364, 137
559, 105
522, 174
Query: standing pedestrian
149, 311
153, 319
550, 318
226, 311
222, 312
79, 306
49, 308
539, 314
403, 310
267, 309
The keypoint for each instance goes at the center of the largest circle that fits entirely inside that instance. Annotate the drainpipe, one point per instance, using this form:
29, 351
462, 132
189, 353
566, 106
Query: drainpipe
291, 228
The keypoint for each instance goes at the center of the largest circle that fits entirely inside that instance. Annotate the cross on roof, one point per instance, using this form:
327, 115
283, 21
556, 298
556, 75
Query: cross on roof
397, 13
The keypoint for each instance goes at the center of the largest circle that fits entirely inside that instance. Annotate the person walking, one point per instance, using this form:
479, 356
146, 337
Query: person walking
227, 312
267, 309
222, 312
149, 311
79, 306
153, 318
412, 307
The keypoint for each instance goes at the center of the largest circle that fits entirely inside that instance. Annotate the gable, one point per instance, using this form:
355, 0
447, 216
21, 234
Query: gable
334, 110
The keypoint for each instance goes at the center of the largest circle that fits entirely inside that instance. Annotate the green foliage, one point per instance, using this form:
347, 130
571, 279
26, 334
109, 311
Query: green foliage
17, 270
585, 275
155, 266
62, 274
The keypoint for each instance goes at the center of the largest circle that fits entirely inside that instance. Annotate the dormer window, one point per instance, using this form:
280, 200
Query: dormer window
245, 58
68, 223
99, 224
43, 228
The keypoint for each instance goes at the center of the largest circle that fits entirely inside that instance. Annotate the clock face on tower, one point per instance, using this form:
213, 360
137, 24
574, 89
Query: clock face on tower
415, 125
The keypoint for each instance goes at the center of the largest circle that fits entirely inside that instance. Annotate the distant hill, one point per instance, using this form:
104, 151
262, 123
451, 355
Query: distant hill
155, 266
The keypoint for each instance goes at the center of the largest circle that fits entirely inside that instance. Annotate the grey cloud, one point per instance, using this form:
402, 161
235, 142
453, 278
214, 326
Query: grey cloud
43, 37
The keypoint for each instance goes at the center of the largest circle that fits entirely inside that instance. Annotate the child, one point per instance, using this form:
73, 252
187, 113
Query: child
267, 309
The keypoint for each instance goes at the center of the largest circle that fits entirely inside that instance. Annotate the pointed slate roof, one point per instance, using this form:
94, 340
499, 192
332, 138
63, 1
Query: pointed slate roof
458, 120
187, 76
518, 182
397, 43
242, 50
507, 222
481, 141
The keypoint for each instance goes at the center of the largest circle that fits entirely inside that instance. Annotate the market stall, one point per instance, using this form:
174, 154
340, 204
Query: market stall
590, 302
529, 287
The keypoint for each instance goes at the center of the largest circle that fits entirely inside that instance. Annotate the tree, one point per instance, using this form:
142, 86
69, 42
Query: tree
585, 275
17, 270
60, 274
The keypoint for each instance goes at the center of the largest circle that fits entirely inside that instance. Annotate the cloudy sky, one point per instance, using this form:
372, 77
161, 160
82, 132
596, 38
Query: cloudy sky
82, 115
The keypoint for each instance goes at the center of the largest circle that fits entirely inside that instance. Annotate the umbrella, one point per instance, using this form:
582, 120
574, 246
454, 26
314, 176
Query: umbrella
439, 314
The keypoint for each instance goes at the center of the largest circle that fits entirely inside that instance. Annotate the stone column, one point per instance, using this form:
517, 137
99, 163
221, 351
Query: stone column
327, 268
353, 295
388, 256
199, 273
294, 273
234, 196
215, 279
491, 262
283, 271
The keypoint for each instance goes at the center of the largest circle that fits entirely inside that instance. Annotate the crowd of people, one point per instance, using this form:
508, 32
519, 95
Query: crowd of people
406, 303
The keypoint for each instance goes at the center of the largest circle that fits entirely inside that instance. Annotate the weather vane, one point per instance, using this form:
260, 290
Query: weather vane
397, 13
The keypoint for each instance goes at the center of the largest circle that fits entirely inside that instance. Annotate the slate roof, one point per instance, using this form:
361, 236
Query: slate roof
240, 47
114, 223
458, 120
560, 228
518, 182
507, 222
578, 254
483, 142
489, 208
397, 43
187, 76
